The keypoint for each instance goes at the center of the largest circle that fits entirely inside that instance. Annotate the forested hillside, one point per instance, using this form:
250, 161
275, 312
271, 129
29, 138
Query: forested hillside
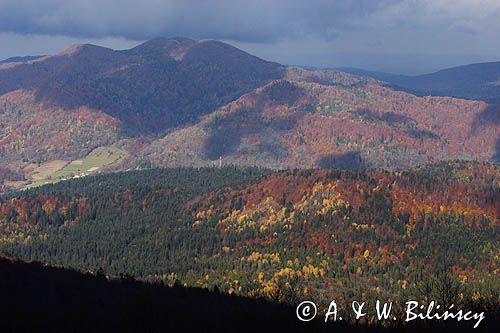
180, 102
284, 236
342, 122
153, 87
37, 297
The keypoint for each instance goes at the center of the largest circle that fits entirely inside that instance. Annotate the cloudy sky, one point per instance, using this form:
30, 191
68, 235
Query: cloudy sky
401, 36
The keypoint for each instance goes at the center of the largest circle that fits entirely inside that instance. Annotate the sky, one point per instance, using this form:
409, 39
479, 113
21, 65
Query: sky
398, 36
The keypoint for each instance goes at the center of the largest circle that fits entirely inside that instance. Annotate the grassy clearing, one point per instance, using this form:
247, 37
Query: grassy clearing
92, 163
46, 169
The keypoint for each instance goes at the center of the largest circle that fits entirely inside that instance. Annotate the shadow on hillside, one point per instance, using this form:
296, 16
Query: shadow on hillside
496, 156
229, 128
490, 116
346, 161
422, 134
38, 298
227, 131
390, 118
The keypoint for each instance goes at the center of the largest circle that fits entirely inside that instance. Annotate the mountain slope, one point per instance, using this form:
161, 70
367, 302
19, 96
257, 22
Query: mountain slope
324, 119
476, 81
285, 236
184, 102
150, 88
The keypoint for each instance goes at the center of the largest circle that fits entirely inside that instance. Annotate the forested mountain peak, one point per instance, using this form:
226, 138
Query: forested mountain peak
158, 46
155, 86
87, 50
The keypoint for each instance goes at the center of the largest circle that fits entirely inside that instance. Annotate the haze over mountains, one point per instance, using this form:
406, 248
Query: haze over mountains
476, 81
184, 102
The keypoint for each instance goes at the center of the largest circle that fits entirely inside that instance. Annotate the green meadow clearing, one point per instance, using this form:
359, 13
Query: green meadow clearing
92, 163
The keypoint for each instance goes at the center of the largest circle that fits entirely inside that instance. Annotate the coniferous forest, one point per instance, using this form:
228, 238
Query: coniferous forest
430, 233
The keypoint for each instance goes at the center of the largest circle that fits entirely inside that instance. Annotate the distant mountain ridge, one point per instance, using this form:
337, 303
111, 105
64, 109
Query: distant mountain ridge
475, 81
185, 102
20, 59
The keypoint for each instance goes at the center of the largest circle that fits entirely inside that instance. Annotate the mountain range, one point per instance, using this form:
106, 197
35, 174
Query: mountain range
184, 102
188, 185
475, 81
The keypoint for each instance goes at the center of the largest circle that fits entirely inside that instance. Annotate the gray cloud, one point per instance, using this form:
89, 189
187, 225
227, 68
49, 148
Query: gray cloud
248, 21
398, 35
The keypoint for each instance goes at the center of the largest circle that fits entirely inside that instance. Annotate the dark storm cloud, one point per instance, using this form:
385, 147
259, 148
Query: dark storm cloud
403, 36
246, 21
